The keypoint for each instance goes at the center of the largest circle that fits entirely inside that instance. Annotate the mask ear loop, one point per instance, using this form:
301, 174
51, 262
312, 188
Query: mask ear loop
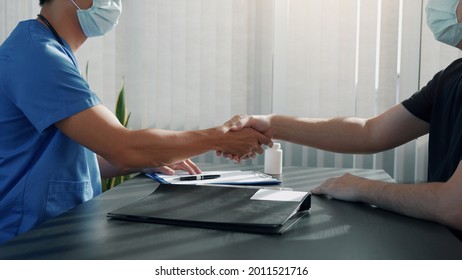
75, 4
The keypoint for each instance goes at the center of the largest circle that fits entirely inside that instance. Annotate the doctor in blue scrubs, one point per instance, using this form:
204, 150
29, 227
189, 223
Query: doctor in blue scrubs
57, 139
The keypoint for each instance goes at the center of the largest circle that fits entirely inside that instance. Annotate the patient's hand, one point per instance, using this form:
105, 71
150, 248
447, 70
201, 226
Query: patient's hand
260, 123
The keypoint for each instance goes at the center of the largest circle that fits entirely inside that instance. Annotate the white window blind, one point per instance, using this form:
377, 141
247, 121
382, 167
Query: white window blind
353, 58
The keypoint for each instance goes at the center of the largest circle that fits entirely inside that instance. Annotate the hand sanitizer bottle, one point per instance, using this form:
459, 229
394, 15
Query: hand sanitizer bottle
273, 159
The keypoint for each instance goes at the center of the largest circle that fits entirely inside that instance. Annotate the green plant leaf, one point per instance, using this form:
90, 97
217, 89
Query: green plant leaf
126, 121
121, 109
86, 71
121, 114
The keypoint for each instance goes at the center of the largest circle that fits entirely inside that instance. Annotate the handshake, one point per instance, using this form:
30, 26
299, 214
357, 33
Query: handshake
238, 139
244, 137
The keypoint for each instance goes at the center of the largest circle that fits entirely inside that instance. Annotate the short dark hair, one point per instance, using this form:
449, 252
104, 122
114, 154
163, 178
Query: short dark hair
43, 2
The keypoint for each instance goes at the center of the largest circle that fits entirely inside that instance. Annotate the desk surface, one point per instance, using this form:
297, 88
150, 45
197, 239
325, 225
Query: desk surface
333, 230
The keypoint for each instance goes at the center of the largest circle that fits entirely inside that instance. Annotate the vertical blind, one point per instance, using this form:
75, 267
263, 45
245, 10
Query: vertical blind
354, 58
191, 64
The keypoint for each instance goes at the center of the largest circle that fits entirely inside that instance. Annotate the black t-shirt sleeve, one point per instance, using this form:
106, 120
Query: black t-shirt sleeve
420, 103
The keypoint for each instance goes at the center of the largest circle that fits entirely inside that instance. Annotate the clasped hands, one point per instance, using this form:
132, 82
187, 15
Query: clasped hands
246, 135
239, 138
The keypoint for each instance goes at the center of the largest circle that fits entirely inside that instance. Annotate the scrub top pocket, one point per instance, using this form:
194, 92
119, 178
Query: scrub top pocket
65, 195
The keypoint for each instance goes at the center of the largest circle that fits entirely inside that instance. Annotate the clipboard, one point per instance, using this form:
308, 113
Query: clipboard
236, 177
219, 207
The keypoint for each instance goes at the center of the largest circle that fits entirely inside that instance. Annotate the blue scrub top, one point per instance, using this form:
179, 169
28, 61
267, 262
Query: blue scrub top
42, 172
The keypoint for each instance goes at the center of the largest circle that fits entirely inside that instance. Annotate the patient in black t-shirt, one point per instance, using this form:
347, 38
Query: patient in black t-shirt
435, 110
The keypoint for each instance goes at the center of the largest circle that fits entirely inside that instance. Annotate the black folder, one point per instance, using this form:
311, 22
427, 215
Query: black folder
219, 207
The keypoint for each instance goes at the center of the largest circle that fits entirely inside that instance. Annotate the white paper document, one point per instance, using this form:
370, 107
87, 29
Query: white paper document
219, 177
277, 195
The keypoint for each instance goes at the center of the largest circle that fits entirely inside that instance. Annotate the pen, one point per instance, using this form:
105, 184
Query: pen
198, 177
277, 188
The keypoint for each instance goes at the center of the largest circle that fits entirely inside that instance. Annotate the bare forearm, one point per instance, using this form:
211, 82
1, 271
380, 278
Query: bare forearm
394, 127
428, 201
99, 130
108, 170
415, 200
155, 147
343, 135
438, 201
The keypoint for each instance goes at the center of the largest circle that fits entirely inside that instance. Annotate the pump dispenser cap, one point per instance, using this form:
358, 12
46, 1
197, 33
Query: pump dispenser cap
276, 146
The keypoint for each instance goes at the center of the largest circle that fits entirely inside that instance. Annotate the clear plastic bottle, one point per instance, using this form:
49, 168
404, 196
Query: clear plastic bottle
273, 159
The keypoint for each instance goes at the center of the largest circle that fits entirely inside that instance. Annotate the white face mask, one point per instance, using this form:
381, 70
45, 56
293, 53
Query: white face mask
442, 20
101, 18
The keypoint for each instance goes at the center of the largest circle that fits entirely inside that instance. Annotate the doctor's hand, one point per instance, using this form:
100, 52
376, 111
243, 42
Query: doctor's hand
186, 165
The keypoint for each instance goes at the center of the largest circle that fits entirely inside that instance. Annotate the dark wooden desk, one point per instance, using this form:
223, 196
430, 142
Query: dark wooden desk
333, 230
